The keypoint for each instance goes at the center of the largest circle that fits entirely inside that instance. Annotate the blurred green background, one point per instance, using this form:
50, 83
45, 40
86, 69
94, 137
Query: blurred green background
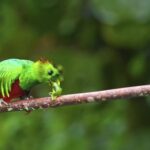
102, 44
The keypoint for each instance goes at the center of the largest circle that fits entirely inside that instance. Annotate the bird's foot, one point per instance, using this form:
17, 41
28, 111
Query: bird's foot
2, 102
26, 97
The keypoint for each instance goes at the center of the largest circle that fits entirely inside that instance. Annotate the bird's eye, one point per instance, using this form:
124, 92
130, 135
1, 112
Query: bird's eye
50, 72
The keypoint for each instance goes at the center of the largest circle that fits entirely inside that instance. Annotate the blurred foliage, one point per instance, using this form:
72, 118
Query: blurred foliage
102, 44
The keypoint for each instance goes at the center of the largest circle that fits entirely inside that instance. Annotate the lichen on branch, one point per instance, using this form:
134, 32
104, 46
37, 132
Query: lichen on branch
78, 98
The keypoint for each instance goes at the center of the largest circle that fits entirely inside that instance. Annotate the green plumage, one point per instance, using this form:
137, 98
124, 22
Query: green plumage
28, 73
11, 70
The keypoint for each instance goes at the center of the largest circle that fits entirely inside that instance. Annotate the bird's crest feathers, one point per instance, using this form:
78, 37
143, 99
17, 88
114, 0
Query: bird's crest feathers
43, 61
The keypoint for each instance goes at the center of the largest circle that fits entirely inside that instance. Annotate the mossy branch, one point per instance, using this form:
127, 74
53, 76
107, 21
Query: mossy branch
79, 98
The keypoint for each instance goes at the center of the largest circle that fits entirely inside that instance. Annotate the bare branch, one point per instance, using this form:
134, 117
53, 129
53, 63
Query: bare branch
72, 99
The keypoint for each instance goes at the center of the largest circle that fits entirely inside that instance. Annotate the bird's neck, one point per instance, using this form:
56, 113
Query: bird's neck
28, 79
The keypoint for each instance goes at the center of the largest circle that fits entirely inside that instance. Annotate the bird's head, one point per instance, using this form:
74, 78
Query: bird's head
46, 72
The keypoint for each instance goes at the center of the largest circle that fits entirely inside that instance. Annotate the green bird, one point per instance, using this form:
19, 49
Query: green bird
18, 76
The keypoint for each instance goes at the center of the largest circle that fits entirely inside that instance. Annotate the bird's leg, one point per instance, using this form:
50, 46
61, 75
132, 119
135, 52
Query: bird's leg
2, 102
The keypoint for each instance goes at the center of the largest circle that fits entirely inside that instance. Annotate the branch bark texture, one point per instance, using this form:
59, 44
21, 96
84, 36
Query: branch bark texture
79, 98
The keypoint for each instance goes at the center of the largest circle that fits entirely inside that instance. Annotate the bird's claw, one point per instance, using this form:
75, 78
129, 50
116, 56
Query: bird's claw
29, 97
26, 97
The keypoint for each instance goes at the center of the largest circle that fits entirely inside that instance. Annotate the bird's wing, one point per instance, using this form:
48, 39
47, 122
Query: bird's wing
9, 72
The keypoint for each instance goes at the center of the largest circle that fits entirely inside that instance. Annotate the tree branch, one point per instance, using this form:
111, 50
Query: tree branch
79, 98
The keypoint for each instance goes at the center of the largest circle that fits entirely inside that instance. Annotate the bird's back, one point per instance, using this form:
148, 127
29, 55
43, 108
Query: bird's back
14, 62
